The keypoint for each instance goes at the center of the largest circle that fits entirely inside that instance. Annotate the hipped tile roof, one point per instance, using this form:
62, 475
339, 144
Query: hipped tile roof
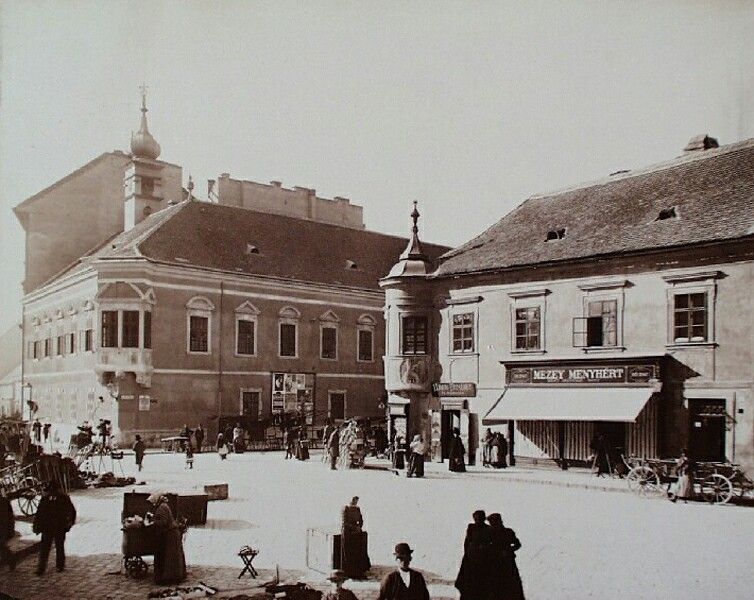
712, 192
218, 237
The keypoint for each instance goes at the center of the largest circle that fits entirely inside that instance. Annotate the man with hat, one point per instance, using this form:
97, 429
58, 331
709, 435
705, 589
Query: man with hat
404, 583
337, 592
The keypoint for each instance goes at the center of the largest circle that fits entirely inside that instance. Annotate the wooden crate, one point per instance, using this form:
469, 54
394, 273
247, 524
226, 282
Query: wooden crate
322, 549
216, 491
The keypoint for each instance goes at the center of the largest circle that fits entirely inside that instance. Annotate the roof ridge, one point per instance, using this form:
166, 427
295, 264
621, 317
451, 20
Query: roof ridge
693, 156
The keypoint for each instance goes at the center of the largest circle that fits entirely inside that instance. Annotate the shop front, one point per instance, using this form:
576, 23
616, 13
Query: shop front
555, 410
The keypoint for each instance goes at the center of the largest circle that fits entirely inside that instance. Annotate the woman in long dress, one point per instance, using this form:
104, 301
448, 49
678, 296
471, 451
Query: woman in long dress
505, 580
169, 561
474, 576
457, 452
684, 487
416, 461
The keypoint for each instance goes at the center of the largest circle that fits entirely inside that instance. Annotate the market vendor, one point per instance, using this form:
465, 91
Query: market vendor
354, 555
169, 561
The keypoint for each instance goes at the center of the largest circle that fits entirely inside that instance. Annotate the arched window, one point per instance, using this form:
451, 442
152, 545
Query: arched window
288, 332
365, 326
246, 329
199, 325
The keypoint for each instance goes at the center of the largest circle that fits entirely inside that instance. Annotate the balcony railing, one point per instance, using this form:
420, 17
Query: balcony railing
126, 360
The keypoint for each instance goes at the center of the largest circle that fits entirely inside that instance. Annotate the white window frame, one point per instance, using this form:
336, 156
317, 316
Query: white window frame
199, 306
600, 291
414, 314
365, 323
288, 316
241, 392
247, 312
464, 309
329, 404
529, 298
692, 283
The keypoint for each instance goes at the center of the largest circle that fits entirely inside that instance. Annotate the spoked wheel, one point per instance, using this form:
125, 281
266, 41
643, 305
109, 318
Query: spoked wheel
28, 500
644, 481
717, 489
136, 567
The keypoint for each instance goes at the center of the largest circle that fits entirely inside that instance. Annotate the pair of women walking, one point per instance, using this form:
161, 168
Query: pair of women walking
488, 568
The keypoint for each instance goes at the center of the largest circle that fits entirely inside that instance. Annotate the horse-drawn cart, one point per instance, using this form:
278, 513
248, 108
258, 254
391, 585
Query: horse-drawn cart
22, 483
716, 482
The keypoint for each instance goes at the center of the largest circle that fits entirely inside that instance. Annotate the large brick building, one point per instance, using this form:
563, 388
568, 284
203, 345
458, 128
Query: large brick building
621, 307
153, 309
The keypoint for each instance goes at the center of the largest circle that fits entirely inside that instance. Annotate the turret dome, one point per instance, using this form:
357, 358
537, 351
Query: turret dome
143, 145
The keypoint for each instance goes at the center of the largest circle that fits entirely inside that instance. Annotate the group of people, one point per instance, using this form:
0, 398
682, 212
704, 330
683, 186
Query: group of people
198, 437
13, 439
411, 458
231, 439
488, 568
40, 431
345, 445
295, 442
495, 450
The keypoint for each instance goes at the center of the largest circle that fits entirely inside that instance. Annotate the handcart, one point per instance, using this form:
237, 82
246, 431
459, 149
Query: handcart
138, 542
22, 484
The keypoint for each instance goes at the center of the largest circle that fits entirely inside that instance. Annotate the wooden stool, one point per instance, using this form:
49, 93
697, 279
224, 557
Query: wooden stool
247, 554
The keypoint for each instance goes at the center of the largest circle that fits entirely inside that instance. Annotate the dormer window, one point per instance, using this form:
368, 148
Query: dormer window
251, 249
667, 213
555, 234
351, 265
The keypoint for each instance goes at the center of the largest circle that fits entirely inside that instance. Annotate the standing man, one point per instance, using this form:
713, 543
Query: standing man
404, 583
457, 452
55, 517
138, 449
333, 448
46, 431
199, 435
325, 438
37, 429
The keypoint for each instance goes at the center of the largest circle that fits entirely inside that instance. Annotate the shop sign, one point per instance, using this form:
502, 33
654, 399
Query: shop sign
575, 374
454, 390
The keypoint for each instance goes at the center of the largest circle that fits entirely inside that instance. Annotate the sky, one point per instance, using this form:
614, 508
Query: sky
468, 107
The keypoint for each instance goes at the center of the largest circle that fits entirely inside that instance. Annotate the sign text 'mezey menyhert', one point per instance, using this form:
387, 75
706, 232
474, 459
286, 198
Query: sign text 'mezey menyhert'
591, 374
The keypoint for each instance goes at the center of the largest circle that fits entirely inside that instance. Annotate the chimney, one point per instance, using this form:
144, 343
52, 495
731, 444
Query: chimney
276, 183
700, 142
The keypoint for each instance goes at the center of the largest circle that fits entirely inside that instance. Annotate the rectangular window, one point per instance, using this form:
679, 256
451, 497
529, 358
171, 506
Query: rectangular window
198, 334
47, 347
109, 329
88, 339
245, 341
690, 317
59, 345
463, 332
32, 350
601, 324
329, 343
528, 327
414, 335
148, 329
130, 335
250, 405
70, 343
366, 348
288, 339
337, 406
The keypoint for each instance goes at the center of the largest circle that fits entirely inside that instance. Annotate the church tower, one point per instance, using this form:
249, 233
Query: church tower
143, 183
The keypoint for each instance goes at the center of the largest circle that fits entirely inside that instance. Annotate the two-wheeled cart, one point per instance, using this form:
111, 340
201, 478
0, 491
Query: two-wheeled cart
22, 483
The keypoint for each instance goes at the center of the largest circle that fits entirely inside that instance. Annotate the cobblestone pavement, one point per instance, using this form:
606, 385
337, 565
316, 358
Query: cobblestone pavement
577, 543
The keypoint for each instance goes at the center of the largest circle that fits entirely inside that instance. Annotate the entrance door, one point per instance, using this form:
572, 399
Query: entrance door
451, 419
615, 435
707, 430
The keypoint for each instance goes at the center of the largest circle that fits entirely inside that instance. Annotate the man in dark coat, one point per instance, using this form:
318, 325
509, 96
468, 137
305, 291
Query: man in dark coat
333, 447
474, 574
37, 429
199, 435
7, 530
457, 452
404, 583
138, 449
55, 517
505, 580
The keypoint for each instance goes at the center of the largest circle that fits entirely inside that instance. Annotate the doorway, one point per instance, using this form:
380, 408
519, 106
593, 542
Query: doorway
614, 434
707, 430
451, 419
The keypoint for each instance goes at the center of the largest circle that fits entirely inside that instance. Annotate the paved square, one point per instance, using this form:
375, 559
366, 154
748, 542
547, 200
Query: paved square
577, 543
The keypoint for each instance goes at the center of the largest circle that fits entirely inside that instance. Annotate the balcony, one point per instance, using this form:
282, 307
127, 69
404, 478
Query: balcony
125, 360
407, 373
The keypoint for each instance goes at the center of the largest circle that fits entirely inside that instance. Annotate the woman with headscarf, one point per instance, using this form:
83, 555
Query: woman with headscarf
457, 452
169, 561
353, 549
473, 581
416, 460
505, 580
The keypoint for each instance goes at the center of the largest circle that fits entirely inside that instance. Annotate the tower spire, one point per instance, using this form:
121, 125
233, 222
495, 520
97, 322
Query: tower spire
414, 249
143, 144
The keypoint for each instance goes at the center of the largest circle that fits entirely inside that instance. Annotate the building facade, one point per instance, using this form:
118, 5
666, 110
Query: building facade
620, 308
187, 312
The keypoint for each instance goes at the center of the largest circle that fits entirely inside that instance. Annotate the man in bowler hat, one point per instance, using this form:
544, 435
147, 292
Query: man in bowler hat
404, 583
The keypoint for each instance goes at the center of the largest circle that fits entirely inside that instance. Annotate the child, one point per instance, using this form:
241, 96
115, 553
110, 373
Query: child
189, 456
138, 449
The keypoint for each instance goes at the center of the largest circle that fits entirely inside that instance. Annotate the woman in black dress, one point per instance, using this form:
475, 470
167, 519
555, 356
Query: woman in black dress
505, 581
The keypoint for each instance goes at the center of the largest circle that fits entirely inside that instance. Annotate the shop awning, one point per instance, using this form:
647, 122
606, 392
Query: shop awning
569, 404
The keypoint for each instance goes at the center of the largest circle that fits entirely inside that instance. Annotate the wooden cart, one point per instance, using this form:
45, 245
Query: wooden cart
23, 485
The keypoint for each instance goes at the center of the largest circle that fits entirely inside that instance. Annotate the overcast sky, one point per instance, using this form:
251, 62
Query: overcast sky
467, 107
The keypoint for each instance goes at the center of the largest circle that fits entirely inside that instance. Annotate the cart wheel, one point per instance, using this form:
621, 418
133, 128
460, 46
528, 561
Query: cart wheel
717, 489
644, 481
28, 501
136, 567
